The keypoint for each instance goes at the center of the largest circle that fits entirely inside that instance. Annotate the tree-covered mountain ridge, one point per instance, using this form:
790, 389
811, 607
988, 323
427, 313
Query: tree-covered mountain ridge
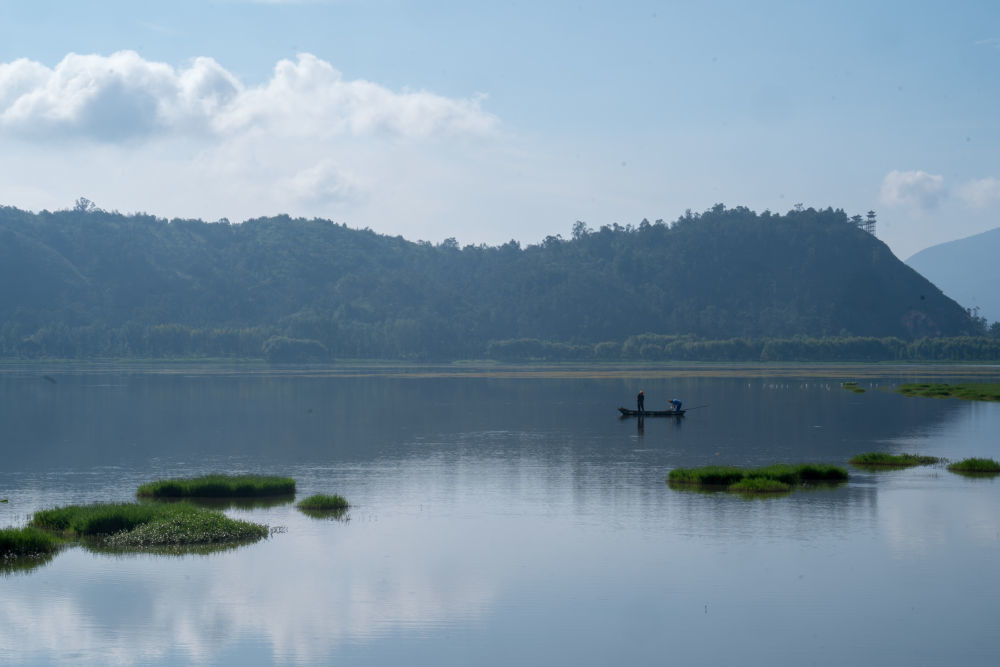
87, 282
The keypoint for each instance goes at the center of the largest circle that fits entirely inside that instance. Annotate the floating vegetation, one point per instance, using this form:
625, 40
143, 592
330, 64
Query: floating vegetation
853, 386
27, 542
219, 486
324, 506
777, 478
970, 391
144, 525
221, 504
759, 485
887, 460
322, 501
203, 527
976, 466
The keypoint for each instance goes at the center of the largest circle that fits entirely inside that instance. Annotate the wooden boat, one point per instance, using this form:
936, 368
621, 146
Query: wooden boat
651, 413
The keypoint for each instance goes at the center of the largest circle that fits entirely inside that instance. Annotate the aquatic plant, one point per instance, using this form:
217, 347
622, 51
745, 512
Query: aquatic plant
323, 502
853, 386
776, 477
202, 527
26, 541
754, 485
970, 391
218, 486
887, 460
707, 476
101, 518
139, 525
976, 466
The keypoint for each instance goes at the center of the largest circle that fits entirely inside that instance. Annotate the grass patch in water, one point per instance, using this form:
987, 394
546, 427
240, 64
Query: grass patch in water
754, 485
323, 502
887, 460
142, 525
852, 386
27, 541
767, 479
199, 528
976, 466
708, 476
970, 391
218, 486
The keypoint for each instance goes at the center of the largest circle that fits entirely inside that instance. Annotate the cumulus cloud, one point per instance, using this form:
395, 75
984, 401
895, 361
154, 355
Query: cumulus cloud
323, 183
123, 97
912, 189
982, 193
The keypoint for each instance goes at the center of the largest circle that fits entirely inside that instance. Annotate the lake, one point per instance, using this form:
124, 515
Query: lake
506, 515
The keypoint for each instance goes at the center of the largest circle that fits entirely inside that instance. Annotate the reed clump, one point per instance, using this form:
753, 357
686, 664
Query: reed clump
27, 541
776, 478
321, 502
141, 525
970, 391
219, 486
762, 485
887, 460
976, 466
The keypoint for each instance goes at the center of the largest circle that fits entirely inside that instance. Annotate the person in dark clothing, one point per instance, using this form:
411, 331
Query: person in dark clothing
640, 402
675, 405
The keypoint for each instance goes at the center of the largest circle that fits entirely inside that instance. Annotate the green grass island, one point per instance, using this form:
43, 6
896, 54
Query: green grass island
970, 391
853, 387
27, 542
887, 460
976, 466
772, 479
140, 526
219, 486
322, 502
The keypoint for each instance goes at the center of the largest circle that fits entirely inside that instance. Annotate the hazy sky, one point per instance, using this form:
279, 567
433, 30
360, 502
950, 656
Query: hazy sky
492, 121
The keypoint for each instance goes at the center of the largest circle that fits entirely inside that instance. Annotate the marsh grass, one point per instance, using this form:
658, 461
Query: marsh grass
970, 391
102, 518
221, 504
887, 460
27, 541
852, 386
755, 485
976, 466
219, 486
780, 477
321, 501
143, 525
323, 506
201, 527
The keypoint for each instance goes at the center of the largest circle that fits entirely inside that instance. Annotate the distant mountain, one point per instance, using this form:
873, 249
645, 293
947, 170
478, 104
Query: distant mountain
967, 270
90, 283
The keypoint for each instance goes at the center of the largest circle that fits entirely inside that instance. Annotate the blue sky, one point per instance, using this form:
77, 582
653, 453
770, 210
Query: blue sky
492, 121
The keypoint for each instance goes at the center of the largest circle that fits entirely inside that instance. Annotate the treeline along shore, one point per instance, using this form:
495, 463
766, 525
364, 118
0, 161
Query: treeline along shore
725, 284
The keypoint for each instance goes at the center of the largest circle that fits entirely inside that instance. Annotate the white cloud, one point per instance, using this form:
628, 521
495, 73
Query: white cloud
982, 193
912, 189
123, 97
324, 182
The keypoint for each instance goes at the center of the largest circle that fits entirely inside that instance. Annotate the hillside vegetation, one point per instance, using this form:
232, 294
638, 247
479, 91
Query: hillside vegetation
89, 283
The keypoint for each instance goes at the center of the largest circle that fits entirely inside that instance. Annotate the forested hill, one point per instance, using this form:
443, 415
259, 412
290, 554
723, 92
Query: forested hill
89, 283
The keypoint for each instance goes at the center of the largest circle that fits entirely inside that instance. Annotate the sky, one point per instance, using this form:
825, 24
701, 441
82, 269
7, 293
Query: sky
487, 122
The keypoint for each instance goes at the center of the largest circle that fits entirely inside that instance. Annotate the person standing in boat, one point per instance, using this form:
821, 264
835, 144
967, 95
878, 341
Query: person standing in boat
675, 405
640, 403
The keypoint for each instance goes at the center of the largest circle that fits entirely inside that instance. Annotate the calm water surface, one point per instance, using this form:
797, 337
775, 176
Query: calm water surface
508, 520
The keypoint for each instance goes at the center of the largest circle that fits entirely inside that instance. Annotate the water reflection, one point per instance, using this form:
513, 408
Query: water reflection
486, 508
